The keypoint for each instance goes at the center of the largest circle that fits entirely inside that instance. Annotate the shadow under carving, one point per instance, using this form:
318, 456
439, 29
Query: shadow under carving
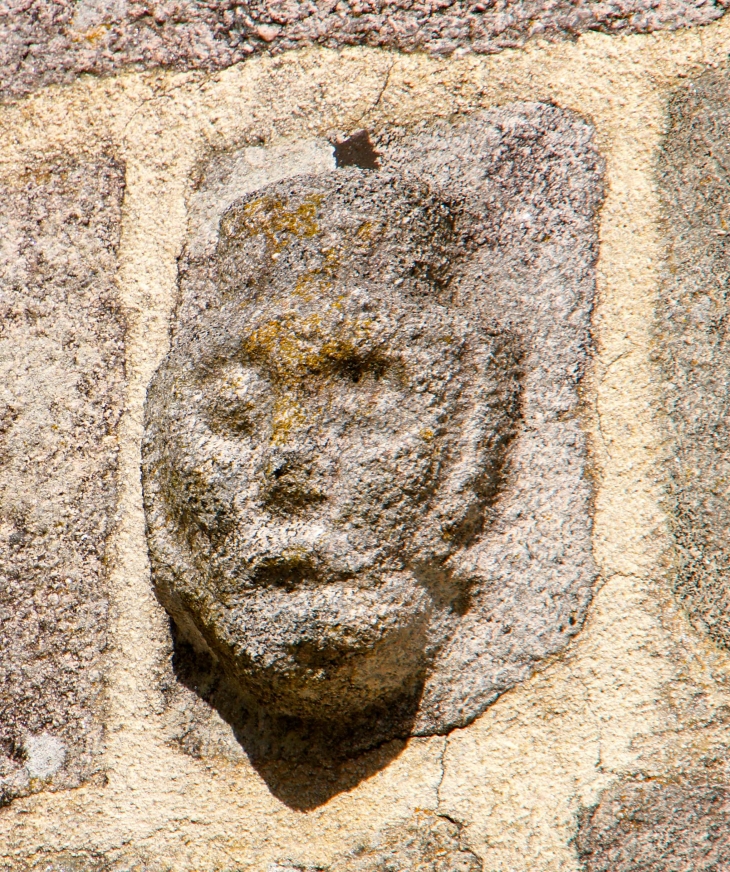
303, 762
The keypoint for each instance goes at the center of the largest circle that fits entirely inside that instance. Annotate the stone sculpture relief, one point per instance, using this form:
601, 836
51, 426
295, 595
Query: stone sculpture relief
364, 476
326, 448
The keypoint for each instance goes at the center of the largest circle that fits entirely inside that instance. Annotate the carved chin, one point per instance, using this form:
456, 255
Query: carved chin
335, 651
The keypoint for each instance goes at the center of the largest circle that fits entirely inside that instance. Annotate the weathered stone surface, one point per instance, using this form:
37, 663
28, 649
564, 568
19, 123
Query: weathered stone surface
64, 861
426, 843
46, 41
76, 861
326, 444
61, 375
692, 344
411, 446
679, 825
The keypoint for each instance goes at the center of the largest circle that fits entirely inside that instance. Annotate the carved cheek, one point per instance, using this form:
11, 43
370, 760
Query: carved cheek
384, 483
238, 405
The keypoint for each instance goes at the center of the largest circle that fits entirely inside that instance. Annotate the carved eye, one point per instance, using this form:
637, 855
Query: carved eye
356, 367
237, 403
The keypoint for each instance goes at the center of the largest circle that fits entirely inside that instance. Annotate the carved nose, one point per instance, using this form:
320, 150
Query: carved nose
287, 463
291, 484
279, 467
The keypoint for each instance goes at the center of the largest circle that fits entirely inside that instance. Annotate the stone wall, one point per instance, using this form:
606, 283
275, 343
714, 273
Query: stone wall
570, 707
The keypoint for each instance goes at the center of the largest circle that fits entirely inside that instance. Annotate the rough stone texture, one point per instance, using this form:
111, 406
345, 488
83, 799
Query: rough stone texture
426, 843
326, 444
64, 861
681, 822
61, 374
490, 558
45, 41
692, 343
77, 861
680, 825
514, 776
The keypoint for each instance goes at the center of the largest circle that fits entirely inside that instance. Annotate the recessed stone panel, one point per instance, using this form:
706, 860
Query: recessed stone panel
61, 379
366, 475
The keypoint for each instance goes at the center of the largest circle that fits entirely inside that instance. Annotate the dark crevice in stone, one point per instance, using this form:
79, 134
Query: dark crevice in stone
357, 151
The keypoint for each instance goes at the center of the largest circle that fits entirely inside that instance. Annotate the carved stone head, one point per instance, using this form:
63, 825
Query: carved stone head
324, 444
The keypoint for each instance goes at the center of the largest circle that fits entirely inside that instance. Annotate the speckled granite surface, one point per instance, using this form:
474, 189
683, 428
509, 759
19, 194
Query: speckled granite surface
61, 371
46, 41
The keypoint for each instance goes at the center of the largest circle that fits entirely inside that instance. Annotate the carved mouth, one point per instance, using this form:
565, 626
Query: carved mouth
293, 571
332, 649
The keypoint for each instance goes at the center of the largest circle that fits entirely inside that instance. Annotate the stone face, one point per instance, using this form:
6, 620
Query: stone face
682, 825
61, 378
364, 471
692, 344
327, 443
54, 40
636, 690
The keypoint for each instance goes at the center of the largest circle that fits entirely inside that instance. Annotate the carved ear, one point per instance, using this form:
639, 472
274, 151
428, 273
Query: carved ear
489, 420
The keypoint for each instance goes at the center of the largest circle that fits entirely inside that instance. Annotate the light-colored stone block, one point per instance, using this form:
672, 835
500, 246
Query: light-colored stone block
61, 382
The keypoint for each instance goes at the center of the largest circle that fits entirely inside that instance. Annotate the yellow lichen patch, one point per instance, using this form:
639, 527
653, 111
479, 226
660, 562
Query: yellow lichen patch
331, 263
295, 352
288, 415
293, 347
94, 35
308, 285
366, 231
283, 346
273, 219
294, 554
320, 279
